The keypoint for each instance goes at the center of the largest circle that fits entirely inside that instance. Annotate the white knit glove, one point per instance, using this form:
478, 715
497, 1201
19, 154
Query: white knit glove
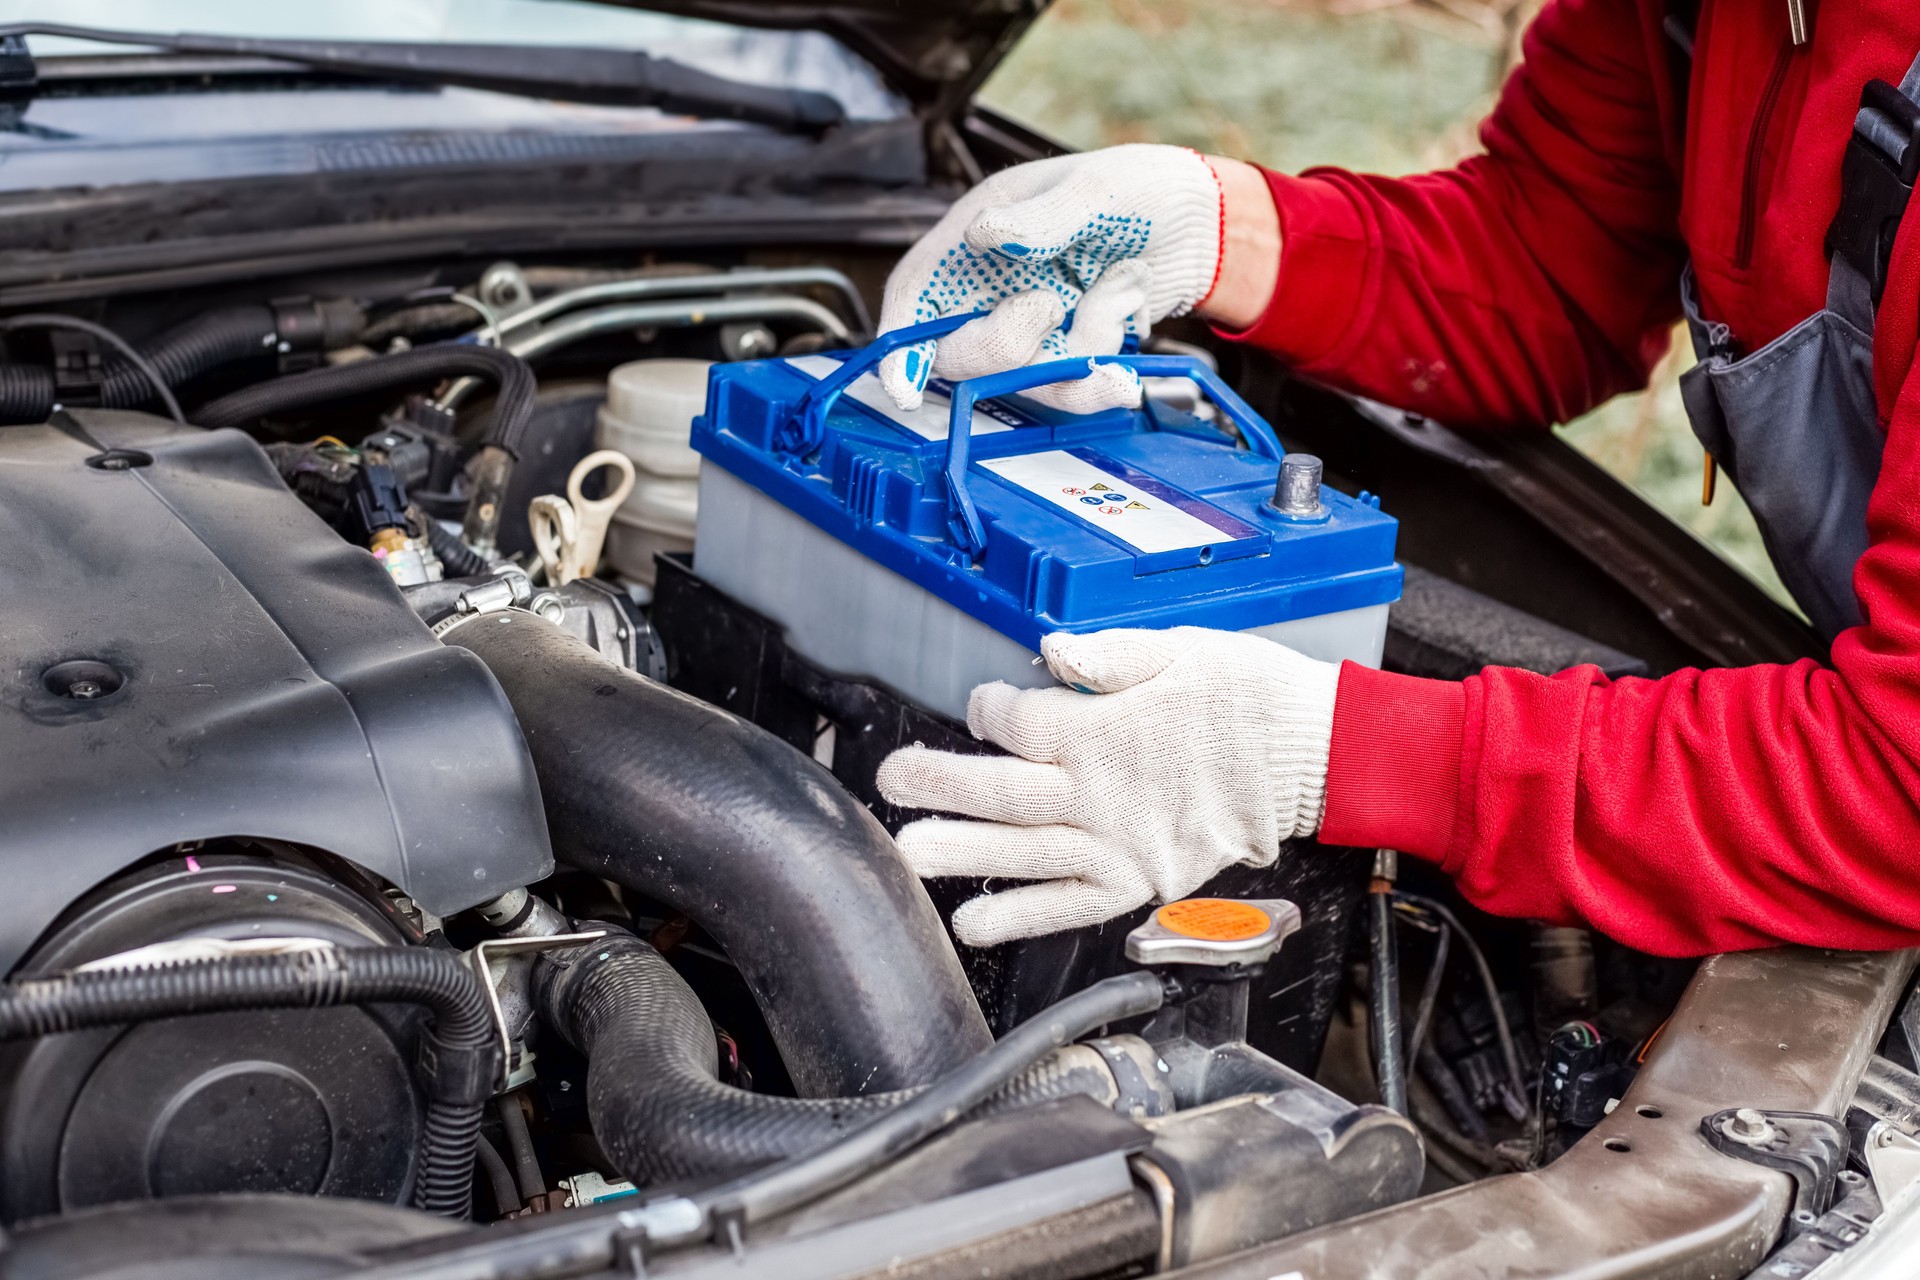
1193, 750
1122, 238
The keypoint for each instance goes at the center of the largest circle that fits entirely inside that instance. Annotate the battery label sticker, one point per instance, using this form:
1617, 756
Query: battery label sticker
1146, 521
929, 421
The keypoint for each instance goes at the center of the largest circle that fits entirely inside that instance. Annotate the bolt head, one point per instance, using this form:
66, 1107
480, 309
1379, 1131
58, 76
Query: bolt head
1749, 1125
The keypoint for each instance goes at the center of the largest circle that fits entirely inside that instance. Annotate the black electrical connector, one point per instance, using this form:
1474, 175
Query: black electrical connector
376, 500
1582, 1072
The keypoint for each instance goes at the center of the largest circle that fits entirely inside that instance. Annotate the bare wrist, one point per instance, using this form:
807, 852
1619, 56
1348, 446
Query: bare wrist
1249, 247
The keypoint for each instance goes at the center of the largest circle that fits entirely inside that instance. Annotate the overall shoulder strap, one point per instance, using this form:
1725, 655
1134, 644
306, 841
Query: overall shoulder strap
1877, 178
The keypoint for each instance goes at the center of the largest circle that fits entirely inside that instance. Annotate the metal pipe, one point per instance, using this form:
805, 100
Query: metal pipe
694, 311
680, 311
1383, 1020
675, 286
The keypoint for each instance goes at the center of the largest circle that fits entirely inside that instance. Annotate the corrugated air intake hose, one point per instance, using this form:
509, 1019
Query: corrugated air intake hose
205, 342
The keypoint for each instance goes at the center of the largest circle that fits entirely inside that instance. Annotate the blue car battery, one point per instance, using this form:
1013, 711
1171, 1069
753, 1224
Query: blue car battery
930, 550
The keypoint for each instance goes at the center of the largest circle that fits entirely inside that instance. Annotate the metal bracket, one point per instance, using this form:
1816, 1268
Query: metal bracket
1808, 1146
1893, 1159
483, 958
672, 1220
1815, 1241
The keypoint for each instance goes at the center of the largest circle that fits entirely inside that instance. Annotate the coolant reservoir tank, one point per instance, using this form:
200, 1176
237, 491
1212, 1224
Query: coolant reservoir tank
930, 550
649, 413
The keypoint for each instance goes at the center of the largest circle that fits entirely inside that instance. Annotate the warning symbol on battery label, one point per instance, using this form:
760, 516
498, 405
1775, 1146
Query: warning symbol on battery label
1073, 491
1138, 506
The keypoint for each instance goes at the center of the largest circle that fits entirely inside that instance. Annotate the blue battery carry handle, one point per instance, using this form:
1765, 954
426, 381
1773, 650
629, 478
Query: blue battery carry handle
808, 425
964, 518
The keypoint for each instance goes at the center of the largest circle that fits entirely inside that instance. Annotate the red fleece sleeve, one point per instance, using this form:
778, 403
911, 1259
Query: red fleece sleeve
1524, 286
1707, 811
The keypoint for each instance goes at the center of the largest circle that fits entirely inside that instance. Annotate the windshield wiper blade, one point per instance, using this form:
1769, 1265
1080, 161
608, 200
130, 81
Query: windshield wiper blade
604, 77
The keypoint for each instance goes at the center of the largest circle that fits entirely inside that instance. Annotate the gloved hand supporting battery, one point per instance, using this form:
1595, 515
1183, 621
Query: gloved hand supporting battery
1190, 750
1119, 239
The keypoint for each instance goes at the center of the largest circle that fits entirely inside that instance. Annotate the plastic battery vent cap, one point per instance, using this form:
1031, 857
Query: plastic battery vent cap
1214, 931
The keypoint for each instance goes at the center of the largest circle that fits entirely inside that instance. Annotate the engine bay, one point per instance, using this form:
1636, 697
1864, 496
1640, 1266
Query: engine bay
424, 863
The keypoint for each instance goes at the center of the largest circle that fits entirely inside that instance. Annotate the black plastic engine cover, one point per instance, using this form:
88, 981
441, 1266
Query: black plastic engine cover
245, 672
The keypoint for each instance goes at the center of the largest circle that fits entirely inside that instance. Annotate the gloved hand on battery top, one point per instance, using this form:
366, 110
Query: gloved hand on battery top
1188, 751
1072, 254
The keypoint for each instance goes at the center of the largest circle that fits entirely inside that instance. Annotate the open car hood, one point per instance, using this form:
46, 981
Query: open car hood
934, 52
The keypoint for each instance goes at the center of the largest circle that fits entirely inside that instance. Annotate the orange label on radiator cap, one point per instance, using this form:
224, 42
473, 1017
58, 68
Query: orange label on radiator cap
1214, 919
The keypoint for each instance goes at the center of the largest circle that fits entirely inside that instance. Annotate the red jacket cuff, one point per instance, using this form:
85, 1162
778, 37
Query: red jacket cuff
1393, 776
1323, 257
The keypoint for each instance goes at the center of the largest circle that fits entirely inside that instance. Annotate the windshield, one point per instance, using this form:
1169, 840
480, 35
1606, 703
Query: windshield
793, 59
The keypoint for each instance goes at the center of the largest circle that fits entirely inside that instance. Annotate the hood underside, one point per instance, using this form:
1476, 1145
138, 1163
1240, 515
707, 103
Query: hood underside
934, 52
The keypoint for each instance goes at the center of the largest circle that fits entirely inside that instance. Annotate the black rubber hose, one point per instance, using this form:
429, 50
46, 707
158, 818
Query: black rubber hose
800, 1181
714, 817
576, 1243
491, 470
1452, 1095
422, 365
207, 341
456, 557
655, 1103
506, 1196
1508, 1050
1430, 992
526, 1165
462, 1049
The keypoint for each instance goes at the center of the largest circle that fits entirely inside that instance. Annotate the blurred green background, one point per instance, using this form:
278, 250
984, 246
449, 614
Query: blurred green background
1386, 86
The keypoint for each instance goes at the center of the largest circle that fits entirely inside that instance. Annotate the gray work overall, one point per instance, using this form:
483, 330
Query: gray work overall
1794, 424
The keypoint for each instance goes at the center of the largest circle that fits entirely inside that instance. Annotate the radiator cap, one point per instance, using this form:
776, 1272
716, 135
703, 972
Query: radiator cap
1214, 931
